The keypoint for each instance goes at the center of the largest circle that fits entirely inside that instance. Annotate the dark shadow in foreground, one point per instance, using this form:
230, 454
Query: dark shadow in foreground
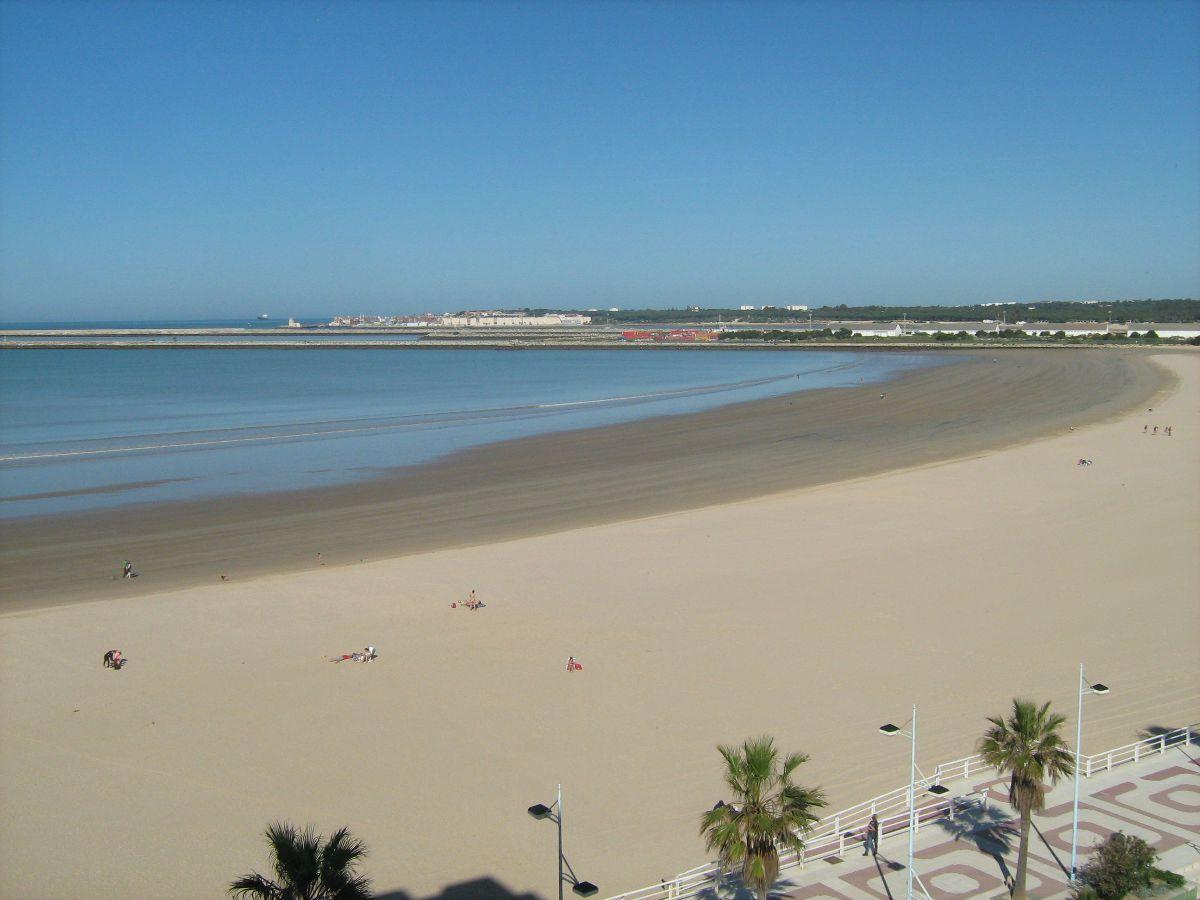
476, 889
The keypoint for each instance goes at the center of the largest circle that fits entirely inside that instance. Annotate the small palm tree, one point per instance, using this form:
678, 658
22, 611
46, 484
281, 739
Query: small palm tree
1029, 748
307, 867
767, 813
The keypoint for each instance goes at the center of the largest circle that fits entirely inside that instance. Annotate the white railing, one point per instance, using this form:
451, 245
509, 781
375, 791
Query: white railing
830, 836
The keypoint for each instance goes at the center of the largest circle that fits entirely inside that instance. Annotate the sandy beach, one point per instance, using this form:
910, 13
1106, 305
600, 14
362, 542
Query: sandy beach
807, 567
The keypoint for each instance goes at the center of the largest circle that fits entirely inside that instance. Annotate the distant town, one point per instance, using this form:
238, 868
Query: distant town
1004, 313
1074, 319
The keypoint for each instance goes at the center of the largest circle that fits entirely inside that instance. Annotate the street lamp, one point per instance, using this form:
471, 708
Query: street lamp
938, 789
554, 814
1084, 688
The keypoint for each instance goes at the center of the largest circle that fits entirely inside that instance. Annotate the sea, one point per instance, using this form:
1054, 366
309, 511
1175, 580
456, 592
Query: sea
89, 429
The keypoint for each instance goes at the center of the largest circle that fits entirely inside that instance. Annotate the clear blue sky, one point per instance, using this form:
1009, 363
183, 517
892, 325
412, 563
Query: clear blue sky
178, 160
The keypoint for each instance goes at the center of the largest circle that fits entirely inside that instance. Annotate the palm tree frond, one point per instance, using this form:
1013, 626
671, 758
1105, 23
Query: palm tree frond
308, 867
254, 885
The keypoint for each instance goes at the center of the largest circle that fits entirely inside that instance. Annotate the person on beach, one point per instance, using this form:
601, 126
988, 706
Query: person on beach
1155, 431
571, 664
472, 601
127, 570
871, 836
1145, 429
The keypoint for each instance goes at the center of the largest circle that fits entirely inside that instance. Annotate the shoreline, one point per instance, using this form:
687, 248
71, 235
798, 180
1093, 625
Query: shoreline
566, 480
526, 343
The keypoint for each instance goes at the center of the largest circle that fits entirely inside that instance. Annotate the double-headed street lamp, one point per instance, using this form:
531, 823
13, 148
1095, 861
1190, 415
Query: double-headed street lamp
554, 813
889, 730
1084, 688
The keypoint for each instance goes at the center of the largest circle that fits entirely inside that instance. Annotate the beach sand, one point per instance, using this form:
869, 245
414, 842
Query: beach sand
810, 613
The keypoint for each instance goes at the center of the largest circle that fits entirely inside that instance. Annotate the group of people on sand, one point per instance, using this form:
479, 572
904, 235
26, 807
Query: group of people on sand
472, 602
1166, 429
114, 660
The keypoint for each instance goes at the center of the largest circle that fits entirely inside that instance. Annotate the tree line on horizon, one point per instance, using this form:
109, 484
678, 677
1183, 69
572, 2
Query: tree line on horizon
1121, 311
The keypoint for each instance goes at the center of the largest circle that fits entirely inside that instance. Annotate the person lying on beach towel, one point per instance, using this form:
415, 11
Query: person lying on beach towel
365, 655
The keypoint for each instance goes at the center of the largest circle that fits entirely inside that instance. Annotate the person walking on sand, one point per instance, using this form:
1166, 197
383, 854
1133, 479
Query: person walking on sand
1145, 429
127, 570
871, 836
570, 664
1155, 430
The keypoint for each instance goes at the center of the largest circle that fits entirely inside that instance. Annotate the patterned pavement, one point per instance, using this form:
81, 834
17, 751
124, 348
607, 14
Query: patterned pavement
974, 855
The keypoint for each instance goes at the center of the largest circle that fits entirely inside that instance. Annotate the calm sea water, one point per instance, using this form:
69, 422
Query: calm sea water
83, 429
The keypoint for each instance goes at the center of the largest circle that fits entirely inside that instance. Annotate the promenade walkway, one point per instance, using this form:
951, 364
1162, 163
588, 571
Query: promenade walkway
974, 853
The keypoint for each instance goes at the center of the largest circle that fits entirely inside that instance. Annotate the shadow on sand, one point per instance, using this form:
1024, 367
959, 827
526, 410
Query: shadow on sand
729, 888
1180, 741
476, 889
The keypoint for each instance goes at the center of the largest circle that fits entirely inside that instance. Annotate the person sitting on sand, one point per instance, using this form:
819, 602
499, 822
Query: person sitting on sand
571, 664
369, 654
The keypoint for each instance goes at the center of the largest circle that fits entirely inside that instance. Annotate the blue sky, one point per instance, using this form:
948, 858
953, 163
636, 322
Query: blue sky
181, 160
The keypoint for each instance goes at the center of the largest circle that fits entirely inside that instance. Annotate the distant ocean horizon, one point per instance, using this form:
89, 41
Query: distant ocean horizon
87, 429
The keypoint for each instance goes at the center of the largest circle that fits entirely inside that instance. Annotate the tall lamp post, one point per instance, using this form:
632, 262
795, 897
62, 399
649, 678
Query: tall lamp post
889, 730
554, 813
1084, 689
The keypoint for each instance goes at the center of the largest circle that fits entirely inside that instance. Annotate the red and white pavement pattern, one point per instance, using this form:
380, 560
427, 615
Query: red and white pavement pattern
974, 855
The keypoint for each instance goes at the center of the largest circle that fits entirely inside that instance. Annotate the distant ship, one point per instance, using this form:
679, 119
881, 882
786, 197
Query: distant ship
263, 317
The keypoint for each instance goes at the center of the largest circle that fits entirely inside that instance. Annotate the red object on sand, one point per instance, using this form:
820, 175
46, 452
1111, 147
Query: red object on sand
454, 606
579, 667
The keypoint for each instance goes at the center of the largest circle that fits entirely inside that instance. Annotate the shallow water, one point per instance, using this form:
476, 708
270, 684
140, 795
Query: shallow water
84, 429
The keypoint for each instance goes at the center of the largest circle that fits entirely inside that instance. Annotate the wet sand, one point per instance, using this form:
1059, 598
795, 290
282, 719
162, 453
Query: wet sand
554, 482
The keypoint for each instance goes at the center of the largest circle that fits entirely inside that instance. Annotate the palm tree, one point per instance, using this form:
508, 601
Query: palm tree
307, 867
1029, 748
767, 813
